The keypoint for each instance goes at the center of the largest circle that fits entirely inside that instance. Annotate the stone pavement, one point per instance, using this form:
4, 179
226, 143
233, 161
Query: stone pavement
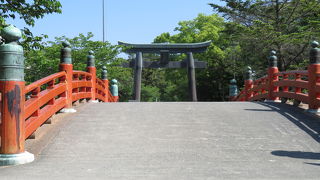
179, 141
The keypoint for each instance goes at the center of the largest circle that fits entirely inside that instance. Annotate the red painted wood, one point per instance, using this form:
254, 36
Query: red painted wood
81, 95
33, 123
93, 71
292, 95
106, 90
44, 81
80, 84
259, 88
259, 97
100, 97
248, 86
13, 124
314, 71
44, 97
292, 83
272, 78
100, 87
68, 68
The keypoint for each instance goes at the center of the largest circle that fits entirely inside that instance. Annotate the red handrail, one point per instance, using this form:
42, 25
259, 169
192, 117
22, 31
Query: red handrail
301, 86
81, 85
100, 90
44, 103
34, 104
47, 96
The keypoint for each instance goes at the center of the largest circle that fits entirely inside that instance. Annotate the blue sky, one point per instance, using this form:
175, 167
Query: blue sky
134, 21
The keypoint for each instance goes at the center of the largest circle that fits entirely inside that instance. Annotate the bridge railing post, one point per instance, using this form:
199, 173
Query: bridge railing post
272, 78
114, 89
248, 84
233, 90
104, 77
66, 65
91, 68
12, 87
313, 77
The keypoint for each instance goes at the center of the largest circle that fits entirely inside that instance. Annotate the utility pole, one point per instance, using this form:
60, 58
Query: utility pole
103, 37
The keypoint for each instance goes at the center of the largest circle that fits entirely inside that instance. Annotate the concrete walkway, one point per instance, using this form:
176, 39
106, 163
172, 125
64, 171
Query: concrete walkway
179, 141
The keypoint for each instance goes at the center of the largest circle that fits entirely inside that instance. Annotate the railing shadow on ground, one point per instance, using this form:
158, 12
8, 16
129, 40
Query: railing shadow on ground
315, 164
296, 115
298, 154
299, 86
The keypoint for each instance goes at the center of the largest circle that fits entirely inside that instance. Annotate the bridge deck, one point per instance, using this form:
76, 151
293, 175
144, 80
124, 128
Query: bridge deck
179, 141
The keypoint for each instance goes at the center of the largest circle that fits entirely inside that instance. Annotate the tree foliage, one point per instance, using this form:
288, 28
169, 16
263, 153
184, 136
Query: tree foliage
286, 26
212, 81
28, 11
44, 62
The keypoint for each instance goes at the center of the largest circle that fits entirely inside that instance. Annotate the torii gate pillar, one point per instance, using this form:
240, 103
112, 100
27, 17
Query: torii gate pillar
138, 65
191, 77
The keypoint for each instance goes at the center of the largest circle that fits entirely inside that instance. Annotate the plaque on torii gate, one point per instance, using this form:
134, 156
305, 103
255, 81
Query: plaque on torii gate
164, 49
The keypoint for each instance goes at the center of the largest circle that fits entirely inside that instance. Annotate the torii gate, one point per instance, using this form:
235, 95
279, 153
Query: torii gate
164, 50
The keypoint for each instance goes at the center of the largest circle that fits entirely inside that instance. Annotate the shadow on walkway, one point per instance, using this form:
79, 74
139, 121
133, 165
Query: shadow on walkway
307, 123
260, 110
315, 164
297, 154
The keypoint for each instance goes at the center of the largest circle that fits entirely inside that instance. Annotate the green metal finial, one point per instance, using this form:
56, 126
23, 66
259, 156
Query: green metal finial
11, 55
90, 52
233, 81
66, 44
314, 44
11, 34
114, 87
249, 73
114, 81
90, 59
315, 53
233, 88
104, 74
65, 57
273, 59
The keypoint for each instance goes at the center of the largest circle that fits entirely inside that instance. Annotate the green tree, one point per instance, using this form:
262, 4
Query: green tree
212, 82
28, 11
286, 26
43, 62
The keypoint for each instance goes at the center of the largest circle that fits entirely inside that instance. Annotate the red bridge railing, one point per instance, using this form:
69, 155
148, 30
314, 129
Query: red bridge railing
299, 86
24, 109
44, 102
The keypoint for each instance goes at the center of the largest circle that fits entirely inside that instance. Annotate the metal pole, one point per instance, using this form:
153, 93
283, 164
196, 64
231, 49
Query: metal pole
103, 21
